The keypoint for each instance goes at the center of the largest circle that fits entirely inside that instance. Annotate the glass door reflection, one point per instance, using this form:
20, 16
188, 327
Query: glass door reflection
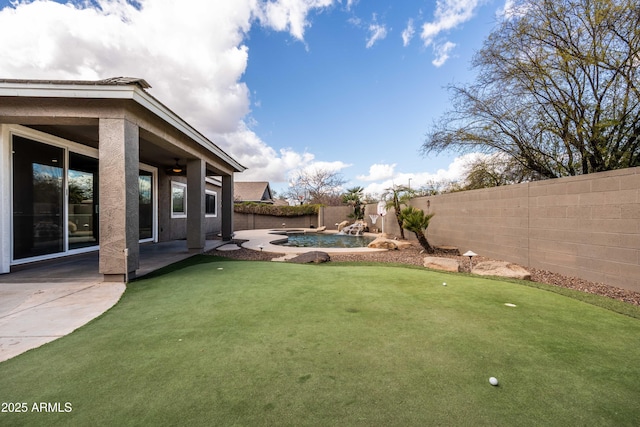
82, 224
38, 172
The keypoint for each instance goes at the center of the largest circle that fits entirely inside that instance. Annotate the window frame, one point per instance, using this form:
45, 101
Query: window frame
183, 187
206, 205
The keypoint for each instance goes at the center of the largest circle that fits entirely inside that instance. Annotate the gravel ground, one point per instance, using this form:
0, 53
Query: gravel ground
414, 256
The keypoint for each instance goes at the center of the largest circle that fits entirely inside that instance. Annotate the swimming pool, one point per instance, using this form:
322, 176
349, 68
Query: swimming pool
317, 240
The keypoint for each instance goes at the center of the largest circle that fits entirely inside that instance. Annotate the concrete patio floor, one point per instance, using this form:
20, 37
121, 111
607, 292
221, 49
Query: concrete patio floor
44, 301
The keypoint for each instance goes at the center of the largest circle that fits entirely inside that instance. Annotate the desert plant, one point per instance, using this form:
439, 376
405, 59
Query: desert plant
400, 196
415, 220
353, 197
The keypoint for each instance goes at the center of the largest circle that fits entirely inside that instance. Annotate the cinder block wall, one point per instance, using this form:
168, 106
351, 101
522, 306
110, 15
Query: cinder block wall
586, 226
335, 215
242, 221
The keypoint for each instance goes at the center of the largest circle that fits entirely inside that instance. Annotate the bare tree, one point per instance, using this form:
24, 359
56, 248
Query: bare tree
316, 186
557, 90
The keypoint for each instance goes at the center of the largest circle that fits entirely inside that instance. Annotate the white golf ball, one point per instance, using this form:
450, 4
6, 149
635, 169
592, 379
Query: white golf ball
493, 381
444, 283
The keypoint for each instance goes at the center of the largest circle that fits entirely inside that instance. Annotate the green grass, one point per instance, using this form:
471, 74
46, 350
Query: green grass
219, 342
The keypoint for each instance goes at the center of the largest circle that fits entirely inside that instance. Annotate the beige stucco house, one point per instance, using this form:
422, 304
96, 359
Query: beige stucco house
104, 166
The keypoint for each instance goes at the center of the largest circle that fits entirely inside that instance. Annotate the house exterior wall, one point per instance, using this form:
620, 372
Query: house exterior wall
585, 226
124, 128
176, 228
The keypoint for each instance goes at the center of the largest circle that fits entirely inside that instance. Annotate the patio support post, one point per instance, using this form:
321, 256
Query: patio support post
227, 207
196, 205
118, 199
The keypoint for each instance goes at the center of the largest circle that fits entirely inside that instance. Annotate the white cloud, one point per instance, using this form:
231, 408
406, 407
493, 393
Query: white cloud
454, 172
408, 33
192, 52
511, 10
442, 53
289, 15
378, 172
376, 32
351, 3
448, 15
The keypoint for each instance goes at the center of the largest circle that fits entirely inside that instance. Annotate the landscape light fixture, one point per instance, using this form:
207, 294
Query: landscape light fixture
470, 254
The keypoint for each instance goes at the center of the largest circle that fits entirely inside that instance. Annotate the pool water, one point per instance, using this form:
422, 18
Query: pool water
313, 240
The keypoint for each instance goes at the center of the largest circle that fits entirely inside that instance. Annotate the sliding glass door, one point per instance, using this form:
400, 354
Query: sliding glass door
55, 199
38, 195
82, 226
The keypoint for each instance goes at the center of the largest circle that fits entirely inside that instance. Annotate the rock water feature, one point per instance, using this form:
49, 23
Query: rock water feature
355, 229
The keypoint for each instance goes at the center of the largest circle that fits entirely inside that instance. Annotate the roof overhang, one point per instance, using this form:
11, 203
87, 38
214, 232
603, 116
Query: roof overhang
116, 88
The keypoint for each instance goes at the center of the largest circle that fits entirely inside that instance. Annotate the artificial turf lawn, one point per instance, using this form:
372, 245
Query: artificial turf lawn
219, 342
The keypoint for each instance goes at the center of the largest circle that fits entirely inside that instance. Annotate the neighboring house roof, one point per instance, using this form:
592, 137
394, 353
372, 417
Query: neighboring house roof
252, 192
130, 88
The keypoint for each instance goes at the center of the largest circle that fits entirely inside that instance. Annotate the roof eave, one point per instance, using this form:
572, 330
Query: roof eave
132, 91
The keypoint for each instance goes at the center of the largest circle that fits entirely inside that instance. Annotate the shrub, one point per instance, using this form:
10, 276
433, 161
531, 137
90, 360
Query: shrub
283, 211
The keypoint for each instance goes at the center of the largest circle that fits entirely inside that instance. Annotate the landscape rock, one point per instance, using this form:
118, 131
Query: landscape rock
342, 225
439, 263
449, 250
501, 269
316, 257
403, 244
383, 243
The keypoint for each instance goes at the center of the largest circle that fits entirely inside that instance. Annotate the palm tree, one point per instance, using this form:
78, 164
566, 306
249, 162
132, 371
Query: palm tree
414, 219
400, 196
353, 197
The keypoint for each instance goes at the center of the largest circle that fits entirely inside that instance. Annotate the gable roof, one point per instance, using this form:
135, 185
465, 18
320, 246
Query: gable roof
257, 191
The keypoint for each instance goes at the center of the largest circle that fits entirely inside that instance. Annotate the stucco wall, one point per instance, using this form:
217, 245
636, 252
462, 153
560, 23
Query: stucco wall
335, 215
176, 228
586, 226
328, 216
243, 221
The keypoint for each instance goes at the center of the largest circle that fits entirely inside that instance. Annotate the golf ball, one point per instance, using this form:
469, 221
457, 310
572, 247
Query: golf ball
493, 381
444, 283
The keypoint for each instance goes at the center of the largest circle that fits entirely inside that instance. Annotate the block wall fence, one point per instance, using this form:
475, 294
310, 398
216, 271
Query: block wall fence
586, 226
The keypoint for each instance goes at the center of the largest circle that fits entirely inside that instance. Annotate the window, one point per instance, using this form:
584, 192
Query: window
178, 200
211, 203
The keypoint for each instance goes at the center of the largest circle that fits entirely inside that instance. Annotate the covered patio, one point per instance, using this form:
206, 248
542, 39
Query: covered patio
104, 166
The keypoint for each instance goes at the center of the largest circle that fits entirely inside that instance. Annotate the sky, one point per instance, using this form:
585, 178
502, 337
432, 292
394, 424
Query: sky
283, 86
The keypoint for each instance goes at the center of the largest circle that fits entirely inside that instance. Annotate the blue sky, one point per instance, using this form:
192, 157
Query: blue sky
281, 85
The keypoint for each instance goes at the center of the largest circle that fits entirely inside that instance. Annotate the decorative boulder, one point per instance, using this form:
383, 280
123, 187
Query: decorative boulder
449, 250
501, 269
382, 243
403, 244
342, 225
315, 257
438, 263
